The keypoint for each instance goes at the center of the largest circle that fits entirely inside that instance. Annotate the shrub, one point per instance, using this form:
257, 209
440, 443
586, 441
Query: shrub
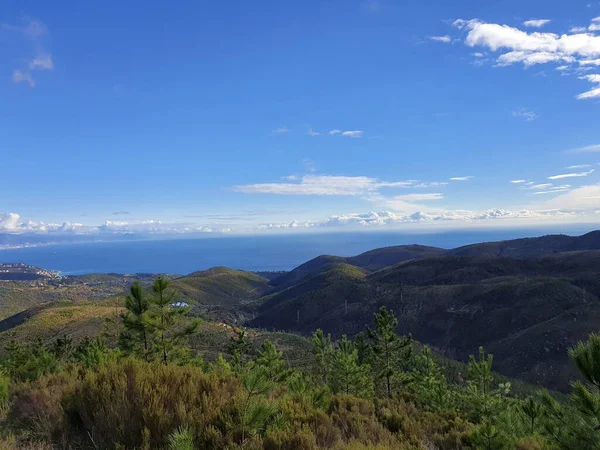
37, 407
123, 401
4, 382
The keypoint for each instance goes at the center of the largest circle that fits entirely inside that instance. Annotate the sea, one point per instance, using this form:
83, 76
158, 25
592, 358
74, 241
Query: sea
252, 253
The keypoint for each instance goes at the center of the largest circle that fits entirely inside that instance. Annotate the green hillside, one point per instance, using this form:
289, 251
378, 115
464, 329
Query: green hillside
523, 309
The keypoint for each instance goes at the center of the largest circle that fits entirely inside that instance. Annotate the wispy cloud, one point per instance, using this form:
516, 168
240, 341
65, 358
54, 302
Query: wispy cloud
34, 32
536, 23
334, 132
592, 93
578, 166
517, 181
553, 191
445, 39
309, 165
461, 178
352, 134
419, 197
571, 175
586, 149
280, 130
120, 213
311, 132
526, 114
20, 76
323, 185
540, 186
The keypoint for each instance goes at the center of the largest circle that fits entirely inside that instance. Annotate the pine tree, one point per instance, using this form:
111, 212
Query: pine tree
430, 382
91, 352
323, 350
136, 337
390, 352
348, 376
531, 410
255, 410
239, 347
168, 321
62, 347
271, 360
575, 425
487, 402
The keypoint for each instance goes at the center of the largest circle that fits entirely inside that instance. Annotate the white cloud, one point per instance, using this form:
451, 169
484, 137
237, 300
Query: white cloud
584, 198
41, 62
531, 48
9, 222
554, 191
536, 23
595, 25
445, 39
349, 133
587, 149
310, 132
281, 130
524, 113
578, 30
323, 185
579, 166
592, 93
391, 219
419, 197
571, 175
461, 178
517, 181
20, 76
353, 134
539, 186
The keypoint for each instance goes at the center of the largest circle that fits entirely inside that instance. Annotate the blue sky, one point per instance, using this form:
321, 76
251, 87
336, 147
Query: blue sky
250, 116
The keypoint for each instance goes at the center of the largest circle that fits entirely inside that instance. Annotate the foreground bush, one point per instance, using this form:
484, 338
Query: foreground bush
133, 404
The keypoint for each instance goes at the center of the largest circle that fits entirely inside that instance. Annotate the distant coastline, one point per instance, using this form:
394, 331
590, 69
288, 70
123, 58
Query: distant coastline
251, 253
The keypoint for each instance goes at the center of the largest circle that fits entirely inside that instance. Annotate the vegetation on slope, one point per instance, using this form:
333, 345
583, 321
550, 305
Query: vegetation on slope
370, 393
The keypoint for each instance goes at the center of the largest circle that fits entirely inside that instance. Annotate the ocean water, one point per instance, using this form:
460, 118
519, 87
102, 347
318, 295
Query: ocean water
274, 252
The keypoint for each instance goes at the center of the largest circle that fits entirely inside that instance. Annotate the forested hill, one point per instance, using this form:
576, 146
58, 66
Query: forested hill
525, 300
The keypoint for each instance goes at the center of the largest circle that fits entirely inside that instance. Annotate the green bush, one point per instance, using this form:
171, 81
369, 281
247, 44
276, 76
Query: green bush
4, 382
122, 401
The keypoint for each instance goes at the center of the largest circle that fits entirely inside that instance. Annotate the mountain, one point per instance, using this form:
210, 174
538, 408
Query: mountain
532, 247
527, 312
221, 293
369, 261
220, 286
527, 248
